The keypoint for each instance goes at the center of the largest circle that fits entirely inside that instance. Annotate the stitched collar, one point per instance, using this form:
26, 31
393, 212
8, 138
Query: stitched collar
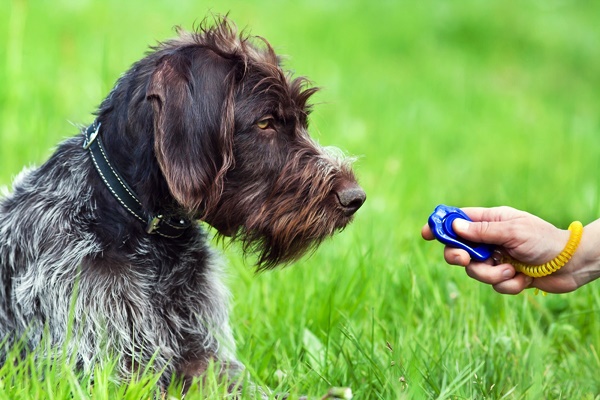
161, 224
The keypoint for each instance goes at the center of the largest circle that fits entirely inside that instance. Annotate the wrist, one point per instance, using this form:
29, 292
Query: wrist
585, 263
556, 263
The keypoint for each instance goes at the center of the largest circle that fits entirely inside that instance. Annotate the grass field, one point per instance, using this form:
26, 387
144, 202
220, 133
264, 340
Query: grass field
465, 103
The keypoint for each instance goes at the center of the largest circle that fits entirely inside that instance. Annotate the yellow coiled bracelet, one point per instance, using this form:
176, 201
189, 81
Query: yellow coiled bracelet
538, 271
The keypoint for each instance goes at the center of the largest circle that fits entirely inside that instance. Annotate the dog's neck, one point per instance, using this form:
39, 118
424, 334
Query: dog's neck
159, 223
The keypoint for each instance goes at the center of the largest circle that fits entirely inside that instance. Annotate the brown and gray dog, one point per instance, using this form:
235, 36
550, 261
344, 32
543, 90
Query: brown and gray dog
206, 127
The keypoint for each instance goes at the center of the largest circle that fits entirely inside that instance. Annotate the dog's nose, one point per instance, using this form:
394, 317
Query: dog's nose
351, 198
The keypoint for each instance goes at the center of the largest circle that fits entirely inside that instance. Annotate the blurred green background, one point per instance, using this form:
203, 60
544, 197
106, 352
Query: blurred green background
459, 102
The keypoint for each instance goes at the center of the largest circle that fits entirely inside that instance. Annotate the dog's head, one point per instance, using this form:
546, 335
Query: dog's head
231, 140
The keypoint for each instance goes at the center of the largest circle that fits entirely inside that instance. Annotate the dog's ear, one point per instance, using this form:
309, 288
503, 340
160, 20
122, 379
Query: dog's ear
193, 125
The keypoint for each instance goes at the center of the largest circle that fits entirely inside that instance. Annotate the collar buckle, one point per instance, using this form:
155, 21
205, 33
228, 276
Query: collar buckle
92, 136
153, 224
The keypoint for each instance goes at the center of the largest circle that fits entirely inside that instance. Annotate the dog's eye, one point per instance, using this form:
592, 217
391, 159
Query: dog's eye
265, 123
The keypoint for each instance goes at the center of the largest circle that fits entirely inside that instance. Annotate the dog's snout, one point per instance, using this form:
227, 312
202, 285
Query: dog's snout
351, 198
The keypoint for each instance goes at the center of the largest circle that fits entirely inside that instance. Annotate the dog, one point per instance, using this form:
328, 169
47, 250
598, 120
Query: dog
101, 250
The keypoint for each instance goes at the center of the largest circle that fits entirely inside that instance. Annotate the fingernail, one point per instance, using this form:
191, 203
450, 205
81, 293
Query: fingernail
461, 224
528, 280
508, 273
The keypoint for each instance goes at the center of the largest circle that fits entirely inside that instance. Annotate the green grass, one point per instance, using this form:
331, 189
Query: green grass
464, 103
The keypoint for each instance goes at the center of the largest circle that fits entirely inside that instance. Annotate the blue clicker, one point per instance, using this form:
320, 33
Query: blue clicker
440, 223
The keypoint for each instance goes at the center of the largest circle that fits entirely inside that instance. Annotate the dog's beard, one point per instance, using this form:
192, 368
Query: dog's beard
286, 238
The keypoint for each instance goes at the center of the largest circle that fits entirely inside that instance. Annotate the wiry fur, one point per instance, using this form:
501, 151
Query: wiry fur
181, 127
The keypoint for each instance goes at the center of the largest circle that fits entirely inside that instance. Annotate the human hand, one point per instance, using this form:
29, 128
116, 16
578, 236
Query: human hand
526, 238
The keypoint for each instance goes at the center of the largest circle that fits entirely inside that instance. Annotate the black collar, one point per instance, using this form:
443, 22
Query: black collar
161, 224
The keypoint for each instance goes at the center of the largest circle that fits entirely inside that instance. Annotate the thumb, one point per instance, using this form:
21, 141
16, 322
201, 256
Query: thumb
480, 232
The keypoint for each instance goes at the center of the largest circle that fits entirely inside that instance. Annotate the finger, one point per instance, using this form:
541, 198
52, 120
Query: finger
515, 285
483, 232
426, 232
456, 256
490, 274
494, 214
